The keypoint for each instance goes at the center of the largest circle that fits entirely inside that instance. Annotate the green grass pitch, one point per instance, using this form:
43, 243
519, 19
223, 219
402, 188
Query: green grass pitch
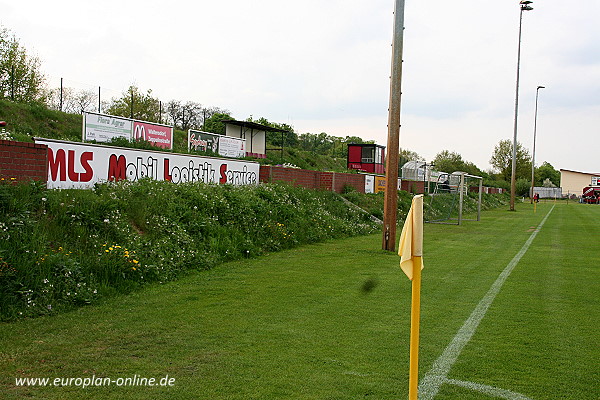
331, 321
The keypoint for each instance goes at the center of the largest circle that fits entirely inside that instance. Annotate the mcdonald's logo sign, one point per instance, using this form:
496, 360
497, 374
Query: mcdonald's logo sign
140, 132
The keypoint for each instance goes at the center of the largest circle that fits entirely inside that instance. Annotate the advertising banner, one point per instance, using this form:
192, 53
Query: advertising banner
379, 184
103, 128
595, 180
232, 147
158, 135
203, 141
81, 165
226, 146
369, 183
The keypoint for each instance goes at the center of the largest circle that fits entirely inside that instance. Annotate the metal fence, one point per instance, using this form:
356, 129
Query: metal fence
548, 192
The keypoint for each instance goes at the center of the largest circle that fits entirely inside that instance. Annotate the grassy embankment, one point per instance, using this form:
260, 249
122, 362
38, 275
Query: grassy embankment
26, 121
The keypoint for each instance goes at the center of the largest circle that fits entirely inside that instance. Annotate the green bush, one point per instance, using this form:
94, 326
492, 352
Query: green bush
522, 187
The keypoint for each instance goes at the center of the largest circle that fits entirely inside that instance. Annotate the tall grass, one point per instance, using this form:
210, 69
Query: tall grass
65, 248
60, 248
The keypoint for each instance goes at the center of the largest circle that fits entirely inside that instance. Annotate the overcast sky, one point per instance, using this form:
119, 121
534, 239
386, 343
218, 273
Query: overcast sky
324, 65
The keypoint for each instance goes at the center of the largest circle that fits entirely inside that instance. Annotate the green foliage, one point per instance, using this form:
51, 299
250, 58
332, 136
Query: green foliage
491, 181
215, 124
447, 161
522, 187
27, 120
288, 137
304, 159
134, 144
546, 171
61, 248
20, 76
502, 160
404, 156
135, 104
325, 144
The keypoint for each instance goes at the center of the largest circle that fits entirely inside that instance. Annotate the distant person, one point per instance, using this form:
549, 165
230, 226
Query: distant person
536, 197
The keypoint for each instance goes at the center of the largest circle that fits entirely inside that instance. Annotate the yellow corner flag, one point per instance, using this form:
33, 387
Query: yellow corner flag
411, 238
410, 250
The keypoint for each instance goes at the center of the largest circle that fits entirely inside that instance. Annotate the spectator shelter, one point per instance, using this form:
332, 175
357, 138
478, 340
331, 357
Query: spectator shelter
366, 158
255, 135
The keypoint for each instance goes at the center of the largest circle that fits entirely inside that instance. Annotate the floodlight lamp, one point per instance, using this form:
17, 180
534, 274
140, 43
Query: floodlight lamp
525, 2
541, 87
526, 8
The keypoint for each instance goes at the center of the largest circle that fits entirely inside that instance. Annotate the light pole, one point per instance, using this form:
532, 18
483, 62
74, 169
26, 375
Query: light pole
537, 91
525, 6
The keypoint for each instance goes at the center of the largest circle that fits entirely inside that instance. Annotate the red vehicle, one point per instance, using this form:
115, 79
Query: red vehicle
591, 195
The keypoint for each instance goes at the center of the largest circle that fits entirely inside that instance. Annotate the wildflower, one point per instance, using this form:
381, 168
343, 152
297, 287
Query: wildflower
106, 221
135, 261
133, 268
44, 199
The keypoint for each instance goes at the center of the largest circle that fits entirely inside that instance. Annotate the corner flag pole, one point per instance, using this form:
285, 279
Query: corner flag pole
415, 317
411, 262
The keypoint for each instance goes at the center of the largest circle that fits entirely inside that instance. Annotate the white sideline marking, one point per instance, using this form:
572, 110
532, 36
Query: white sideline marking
437, 375
491, 390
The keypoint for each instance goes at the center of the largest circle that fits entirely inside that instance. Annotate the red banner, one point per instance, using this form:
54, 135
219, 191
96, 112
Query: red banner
158, 135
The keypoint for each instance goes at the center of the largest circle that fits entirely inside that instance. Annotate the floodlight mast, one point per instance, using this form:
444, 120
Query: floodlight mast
525, 6
537, 91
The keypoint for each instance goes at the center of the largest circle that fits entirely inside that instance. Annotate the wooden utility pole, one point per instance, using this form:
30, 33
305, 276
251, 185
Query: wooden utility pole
390, 205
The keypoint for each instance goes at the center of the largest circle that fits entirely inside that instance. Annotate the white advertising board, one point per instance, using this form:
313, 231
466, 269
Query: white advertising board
81, 165
369, 184
232, 147
103, 128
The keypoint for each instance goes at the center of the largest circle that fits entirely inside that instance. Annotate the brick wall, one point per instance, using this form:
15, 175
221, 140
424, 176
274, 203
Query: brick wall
23, 161
412, 186
312, 179
339, 180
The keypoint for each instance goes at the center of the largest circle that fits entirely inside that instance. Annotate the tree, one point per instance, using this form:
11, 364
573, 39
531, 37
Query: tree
320, 143
405, 156
85, 100
546, 171
502, 160
190, 115
20, 76
449, 161
215, 124
286, 138
135, 104
73, 101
